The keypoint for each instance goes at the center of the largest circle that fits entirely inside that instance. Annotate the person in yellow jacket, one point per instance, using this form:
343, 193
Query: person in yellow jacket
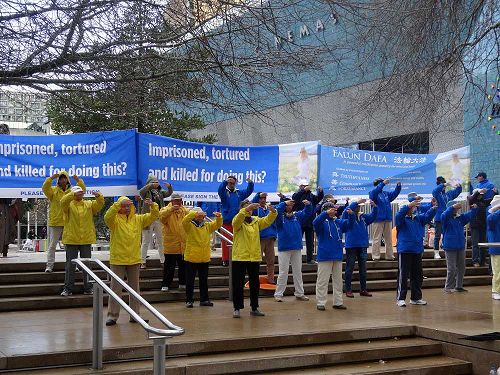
174, 239
56, 220
246, 255
79, 233
197, 252
125, 249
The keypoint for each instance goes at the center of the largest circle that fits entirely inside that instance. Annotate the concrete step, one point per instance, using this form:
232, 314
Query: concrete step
216, 293
215, 346
50, 284
286, 359
428, 256
433, 365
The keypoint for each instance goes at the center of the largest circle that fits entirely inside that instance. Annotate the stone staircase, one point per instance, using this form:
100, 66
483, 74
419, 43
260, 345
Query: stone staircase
24, 286
383, 350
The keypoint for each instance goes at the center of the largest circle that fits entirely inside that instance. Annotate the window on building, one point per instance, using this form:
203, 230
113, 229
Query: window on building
416, 143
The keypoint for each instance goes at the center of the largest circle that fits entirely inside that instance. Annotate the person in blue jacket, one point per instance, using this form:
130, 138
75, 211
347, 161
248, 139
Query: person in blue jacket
305, 193
267, 235
230, 199
442, 198
454, 245
383, 222
329, 231
356, 243
289, 226
409, 226
421, 208
493, 228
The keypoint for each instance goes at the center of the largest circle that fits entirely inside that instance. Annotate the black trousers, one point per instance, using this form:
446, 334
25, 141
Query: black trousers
410, 265
171, 260
191, 270
308, 233
239, 269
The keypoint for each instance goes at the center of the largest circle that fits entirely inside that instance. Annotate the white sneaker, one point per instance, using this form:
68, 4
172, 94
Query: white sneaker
48, 270
418, 302
278, 298
302, 298
66, 293
401, 303
182, 287
436, 255
495, 296
164, 288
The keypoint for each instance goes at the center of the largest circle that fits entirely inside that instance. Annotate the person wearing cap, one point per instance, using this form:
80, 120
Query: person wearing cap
305, 194
230, 198
454, 245
442, 198
289, 227
56, 221
153, 190
410, 226
356, 243
481, 196
197, 252
125, 249
493, 227
174, 238
79, 233
246, 255
383, 222
267, 236
329, 231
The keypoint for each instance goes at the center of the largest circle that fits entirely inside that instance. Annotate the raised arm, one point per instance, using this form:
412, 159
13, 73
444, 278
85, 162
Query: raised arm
97, 203
222, 191
153, 214
239, 218
244, 194
318, 222
66, 200
452, 194
467, 217
394, 194
400, 216
169, 191
438, 190
186, 221
373, 194
110, 215
47, 188
304, 214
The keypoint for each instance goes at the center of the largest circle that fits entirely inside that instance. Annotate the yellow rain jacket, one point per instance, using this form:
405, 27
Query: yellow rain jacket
174, 237
246, 244
198, 238
79, 228
54, 195
125, 244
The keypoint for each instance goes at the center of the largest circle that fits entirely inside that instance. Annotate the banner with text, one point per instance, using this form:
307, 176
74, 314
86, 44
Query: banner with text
346, 172
106, 161
196, 169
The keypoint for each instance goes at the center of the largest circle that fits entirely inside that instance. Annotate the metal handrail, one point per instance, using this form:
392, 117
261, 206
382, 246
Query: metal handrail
100, 286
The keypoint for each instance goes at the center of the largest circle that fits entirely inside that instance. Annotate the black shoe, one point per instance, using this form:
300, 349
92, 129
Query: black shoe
110, 322
206, 303
461, 290
132, 320
257, 312
339, 307
189, 305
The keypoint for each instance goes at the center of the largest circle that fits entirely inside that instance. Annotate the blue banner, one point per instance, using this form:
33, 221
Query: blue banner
106, 161
346, 172
196, 169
